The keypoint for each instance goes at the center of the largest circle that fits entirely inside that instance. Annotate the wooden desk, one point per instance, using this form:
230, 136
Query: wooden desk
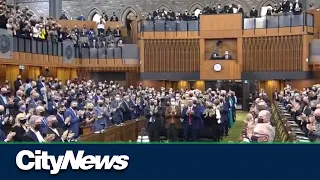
128, 132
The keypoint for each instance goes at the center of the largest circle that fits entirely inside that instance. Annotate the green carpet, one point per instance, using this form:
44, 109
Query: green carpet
234, 133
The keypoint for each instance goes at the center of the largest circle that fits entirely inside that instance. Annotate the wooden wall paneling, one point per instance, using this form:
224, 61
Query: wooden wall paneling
165, 67
259, 53
265, 54
34, 57
189, 63
2, 73
254, 53
301, 68
197, 62
21, 57
40, 59
46, 59
297, 53
177, 54
244, 52
291, 46
11, 73
25, 73
146, 55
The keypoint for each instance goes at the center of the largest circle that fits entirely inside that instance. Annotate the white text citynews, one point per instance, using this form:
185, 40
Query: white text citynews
41, 160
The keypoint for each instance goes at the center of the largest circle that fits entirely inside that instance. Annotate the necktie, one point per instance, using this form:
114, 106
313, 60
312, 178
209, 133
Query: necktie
44, 121
190, 116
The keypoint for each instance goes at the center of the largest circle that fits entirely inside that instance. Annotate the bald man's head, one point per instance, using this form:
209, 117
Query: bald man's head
264, 116
263, 133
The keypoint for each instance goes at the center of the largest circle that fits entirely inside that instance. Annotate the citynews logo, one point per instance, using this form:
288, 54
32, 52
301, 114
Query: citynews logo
40, 160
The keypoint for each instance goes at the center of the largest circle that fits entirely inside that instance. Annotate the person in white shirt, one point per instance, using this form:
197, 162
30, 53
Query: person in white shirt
100, 27
36, 31
33, 134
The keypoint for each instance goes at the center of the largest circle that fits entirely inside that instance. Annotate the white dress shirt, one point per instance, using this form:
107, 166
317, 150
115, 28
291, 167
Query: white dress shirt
39, 136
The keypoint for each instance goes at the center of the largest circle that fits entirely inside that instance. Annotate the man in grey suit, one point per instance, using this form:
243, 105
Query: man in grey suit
116, 112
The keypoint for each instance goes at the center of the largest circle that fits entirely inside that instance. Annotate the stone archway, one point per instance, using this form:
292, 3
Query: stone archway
93, 12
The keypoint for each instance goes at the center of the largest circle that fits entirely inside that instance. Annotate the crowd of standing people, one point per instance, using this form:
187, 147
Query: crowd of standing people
47, 109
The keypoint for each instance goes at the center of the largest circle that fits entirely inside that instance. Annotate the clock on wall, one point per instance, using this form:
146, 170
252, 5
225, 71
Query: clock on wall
217, 67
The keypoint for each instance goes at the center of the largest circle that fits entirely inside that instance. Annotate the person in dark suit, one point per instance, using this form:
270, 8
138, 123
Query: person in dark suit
153, 113
41, 84
225, 106
212, 117
191, 121
74, 116
17, 83
173, 123
230, 9
17, 99
52, 105
63, 123
6, 138
5, 101
253, 12
240, 9
34, 134
227, 56
116, 110
19, 127
285, 6
59, 134
5, 121
297, 8
114, 17
40, 111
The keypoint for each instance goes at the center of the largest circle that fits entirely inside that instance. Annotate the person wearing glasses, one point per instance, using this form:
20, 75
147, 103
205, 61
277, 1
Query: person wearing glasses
263, 133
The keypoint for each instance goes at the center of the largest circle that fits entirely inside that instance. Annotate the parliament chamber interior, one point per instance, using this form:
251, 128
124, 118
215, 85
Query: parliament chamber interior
240, 71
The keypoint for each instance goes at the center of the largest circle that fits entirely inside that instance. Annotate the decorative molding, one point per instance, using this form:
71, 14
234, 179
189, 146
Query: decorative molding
92, 12
125, 13
195, 6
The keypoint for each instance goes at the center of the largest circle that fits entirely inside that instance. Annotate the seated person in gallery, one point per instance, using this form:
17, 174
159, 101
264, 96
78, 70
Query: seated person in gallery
227, 56
215, 55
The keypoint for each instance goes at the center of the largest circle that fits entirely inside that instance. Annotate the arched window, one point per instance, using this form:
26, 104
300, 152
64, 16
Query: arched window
235, 7
96, 17
131, 16
197, 12
264, 9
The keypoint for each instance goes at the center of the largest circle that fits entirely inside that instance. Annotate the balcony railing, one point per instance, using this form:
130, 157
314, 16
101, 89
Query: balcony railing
279, 21
275, 21
27, 45
167, 26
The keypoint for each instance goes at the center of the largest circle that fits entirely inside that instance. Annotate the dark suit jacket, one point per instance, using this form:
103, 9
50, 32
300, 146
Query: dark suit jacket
5, 105
227, 58
30, 136
240, 10
114, 18
155, 115
253, 13
2, 136
175, 118
195, 118
20, 132
57, 136
17, 84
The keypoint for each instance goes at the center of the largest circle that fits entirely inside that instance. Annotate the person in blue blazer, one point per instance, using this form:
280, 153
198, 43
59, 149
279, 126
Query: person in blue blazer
73, 114
191, 121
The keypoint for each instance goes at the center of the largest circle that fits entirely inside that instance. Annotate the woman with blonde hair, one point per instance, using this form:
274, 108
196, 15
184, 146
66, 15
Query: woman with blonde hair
20, 127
